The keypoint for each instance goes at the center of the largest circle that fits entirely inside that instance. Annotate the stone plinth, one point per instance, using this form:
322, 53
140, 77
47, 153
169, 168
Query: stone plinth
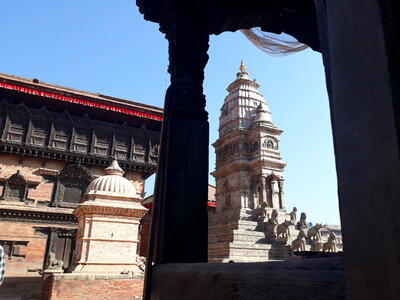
108, 218
88, 286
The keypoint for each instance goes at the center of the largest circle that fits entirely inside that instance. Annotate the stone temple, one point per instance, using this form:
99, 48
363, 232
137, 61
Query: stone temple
249, 176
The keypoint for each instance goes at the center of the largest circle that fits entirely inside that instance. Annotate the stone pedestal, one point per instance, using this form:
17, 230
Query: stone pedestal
108, 218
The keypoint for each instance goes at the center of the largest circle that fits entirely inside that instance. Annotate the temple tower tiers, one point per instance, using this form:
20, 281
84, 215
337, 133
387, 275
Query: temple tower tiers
108, 217
249, 170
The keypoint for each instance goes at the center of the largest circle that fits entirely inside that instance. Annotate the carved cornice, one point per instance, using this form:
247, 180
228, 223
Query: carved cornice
64, 136
107, 210
37, 217
21, 149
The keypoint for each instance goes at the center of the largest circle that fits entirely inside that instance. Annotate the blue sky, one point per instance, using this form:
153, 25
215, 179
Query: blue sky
106, 47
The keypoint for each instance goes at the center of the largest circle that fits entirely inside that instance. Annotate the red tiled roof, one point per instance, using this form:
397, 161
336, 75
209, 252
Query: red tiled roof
59, 93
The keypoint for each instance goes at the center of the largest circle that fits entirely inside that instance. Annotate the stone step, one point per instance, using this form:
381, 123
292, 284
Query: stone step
249, 239
246, 245
222, 227
247, 259
249, 252
247, 223
248, 232
240, 224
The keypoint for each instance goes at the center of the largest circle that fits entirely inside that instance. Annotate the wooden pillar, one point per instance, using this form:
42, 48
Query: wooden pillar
360, 46
179, 225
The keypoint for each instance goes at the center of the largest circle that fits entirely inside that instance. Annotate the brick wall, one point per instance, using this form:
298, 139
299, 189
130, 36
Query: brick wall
31, 168
33, 251
82, 287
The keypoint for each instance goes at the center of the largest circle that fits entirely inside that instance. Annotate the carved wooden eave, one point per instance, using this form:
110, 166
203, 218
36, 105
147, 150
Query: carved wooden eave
27, 150
47, 171
294, 17
29, 182
30, 214
92, 129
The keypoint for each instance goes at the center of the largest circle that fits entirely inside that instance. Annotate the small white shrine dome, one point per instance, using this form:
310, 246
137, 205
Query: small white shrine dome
112, 182
262, 114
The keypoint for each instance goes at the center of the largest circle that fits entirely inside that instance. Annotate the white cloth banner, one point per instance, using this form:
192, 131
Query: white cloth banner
273, 44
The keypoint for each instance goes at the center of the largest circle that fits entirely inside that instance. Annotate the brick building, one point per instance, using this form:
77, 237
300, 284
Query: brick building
53, 142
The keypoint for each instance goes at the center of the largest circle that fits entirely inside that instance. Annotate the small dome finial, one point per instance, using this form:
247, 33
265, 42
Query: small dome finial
242, 68
114, 169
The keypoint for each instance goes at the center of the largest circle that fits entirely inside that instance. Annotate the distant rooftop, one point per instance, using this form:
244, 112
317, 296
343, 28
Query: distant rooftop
42, 89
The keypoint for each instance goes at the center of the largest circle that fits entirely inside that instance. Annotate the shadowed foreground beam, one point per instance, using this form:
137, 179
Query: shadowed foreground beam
312, 278
360, 50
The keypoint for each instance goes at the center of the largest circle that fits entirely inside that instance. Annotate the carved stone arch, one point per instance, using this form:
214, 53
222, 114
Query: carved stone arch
276, 146
15, 188
272, 186
226, 194
270, 144
40, 128
258, 198
83, 134
17, 124
70, 185
245, 147
62, 131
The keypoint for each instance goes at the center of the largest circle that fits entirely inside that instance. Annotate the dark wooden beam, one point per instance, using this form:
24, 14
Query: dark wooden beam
294, 17
310, 278
179, 224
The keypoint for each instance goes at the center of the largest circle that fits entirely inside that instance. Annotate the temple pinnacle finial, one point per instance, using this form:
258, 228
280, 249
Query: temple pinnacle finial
114, 169
242, 68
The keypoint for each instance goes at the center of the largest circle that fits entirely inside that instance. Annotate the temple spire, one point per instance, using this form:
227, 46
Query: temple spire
242, 74
242, 67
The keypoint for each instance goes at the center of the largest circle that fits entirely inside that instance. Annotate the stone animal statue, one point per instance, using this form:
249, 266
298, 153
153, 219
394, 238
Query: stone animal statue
53, 263
293, 214
313, 232
302, 224
299, 242
282, 230
330, 245
274, 218
260, 212
316, 245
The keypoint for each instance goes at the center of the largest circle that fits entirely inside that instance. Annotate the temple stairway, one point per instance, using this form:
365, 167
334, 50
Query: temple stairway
243, 243
238, 241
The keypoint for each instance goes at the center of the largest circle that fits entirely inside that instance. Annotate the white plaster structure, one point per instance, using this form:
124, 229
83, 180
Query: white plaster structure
249, 169
108, 217
248, 174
